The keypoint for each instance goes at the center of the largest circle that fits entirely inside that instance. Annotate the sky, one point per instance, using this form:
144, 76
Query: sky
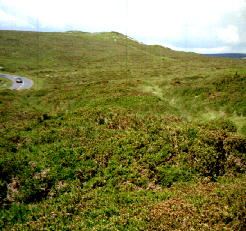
201, 26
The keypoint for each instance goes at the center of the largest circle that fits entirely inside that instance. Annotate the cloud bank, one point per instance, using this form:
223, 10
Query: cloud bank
198, 26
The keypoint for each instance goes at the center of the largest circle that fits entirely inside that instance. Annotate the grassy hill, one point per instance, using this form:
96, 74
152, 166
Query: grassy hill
118, 135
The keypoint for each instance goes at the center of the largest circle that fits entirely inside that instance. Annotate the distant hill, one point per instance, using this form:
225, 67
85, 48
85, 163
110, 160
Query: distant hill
228, 55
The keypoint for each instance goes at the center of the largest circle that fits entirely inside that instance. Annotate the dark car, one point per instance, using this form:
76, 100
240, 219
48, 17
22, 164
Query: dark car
19, 80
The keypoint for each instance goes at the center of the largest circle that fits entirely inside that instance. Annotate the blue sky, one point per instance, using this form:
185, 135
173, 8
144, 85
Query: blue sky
202, 26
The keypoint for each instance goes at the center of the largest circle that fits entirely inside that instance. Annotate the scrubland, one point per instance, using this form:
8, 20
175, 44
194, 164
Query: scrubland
118, 135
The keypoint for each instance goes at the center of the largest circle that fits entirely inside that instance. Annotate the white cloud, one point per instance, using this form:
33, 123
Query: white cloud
91, 14
8, 20
212, 50
229, 34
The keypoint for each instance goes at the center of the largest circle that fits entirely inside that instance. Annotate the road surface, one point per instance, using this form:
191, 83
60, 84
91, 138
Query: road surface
26, 83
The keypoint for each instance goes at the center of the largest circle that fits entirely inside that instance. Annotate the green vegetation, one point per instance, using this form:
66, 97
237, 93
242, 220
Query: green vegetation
4, 83
117, 135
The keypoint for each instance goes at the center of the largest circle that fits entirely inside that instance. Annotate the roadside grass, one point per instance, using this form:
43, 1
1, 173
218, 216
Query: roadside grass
5, 83
151, 141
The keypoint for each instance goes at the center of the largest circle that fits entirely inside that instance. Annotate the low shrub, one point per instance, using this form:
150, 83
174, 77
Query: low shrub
167, 175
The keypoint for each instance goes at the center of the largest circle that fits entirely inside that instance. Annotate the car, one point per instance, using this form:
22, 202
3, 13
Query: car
18, 80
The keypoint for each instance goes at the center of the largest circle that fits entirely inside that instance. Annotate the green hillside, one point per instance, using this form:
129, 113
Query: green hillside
118, 135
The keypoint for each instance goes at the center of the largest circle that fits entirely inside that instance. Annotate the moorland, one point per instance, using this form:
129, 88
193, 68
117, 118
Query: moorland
118, 135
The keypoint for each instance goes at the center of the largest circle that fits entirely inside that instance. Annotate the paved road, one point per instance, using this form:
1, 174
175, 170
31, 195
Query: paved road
26, 83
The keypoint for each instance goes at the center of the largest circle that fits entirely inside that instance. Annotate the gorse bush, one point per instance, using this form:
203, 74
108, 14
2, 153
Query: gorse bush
167, 175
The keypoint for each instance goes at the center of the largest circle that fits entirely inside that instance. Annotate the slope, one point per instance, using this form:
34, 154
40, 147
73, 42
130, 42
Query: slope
117, 135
